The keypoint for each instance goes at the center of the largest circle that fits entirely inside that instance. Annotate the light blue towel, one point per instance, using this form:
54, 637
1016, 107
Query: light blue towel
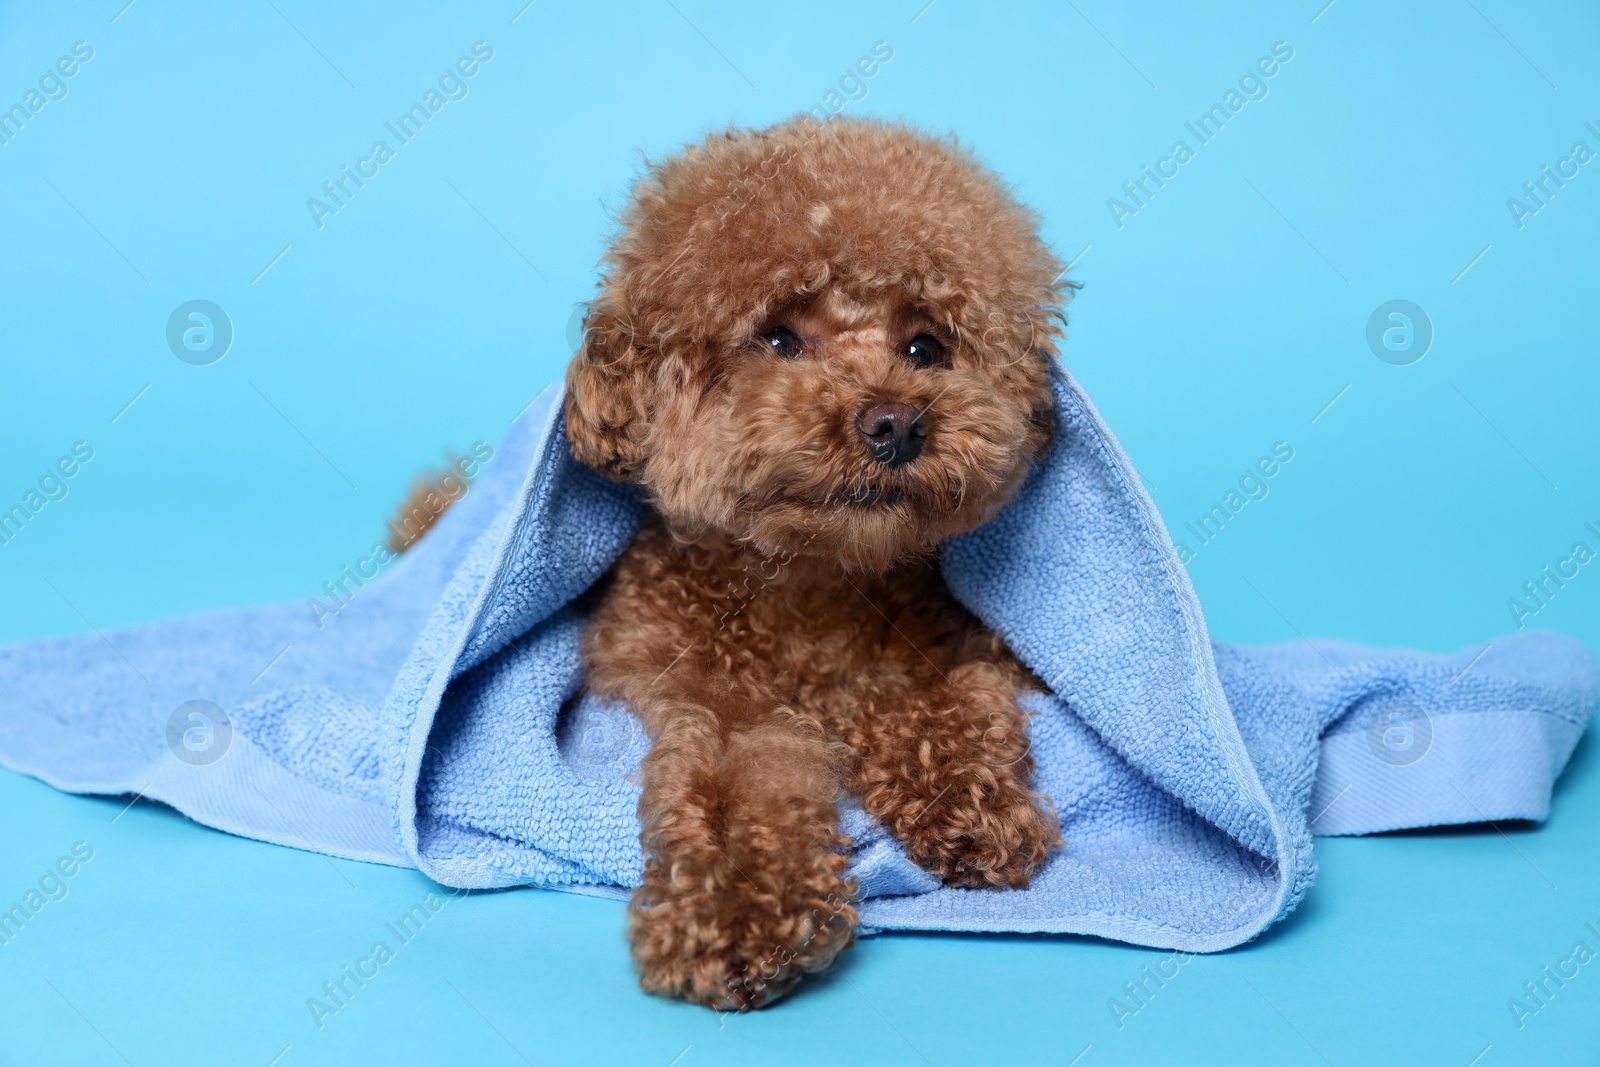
435, 720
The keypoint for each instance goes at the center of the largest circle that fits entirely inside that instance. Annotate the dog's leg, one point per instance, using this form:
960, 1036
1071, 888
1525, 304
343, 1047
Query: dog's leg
947, 769
744, 887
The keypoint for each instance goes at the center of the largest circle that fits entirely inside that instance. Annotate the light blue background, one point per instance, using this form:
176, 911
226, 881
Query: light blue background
1223, 317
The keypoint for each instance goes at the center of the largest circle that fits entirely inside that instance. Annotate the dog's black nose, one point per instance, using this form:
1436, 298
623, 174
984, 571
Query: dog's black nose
894, 433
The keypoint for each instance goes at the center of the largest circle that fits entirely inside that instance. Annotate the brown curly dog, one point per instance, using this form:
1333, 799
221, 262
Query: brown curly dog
820, 350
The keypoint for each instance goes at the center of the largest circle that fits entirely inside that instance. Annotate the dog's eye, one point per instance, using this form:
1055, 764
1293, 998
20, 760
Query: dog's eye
924, 350
783, 342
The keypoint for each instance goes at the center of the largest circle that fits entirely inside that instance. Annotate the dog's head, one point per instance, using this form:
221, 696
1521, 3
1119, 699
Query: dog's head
825, 339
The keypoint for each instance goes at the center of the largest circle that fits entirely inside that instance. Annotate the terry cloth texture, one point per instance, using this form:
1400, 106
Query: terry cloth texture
436, 719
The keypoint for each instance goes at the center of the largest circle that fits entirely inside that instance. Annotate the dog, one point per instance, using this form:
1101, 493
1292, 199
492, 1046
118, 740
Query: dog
818, 351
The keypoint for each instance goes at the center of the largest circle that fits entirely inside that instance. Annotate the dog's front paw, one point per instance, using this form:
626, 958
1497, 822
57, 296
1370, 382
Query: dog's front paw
951, 778
729, 941
980, 833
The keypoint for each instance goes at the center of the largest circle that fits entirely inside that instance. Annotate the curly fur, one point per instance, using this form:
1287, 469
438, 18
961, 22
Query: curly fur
780, 626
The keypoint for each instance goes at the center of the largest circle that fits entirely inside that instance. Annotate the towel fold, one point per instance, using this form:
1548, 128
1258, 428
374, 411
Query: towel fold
436, 720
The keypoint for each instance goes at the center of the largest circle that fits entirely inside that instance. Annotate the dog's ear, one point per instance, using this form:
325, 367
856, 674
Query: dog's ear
607, 409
